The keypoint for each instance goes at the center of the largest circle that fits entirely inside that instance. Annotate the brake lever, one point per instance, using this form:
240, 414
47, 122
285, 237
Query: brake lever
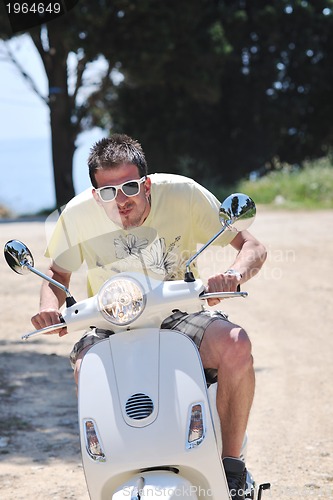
46, 329
222, 295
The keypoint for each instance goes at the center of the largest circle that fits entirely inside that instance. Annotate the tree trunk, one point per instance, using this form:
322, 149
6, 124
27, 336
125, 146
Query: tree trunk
62, 134
63, 146
63, 129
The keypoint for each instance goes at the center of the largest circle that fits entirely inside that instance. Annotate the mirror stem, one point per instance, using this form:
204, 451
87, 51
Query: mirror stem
188, 274
69, 297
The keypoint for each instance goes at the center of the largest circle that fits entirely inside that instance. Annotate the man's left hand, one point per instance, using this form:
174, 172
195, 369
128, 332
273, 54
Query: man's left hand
226, 282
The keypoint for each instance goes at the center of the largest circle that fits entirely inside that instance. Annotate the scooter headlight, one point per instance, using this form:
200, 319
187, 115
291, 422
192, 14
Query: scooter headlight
121, 301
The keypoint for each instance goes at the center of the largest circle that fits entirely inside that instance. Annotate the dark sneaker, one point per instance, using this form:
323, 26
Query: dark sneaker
235, 472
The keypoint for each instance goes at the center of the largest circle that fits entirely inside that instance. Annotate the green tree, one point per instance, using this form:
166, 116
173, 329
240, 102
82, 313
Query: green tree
212, 88
216, 89
67, 46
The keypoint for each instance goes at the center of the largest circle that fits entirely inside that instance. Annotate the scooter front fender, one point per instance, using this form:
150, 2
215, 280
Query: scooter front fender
156, 485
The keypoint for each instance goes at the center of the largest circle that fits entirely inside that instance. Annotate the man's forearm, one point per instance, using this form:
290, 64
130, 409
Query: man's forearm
52, 297
250, 260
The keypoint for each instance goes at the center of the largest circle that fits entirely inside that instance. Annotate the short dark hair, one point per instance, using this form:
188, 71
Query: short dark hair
112, 151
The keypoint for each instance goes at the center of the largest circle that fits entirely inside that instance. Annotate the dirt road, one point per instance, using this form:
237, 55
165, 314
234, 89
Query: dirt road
289, 316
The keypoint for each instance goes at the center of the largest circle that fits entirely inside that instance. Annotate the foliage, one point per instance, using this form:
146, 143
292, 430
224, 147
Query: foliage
290, 187
67, 47
212, 89
218, 89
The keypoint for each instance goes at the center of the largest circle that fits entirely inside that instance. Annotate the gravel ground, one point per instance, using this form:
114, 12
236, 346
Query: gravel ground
288, 316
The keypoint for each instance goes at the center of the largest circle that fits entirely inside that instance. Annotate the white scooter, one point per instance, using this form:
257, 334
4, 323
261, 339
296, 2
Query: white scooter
148, 424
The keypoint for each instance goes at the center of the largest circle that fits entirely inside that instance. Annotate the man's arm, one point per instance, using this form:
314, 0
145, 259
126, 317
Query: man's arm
51, 299
251, 255
250, 258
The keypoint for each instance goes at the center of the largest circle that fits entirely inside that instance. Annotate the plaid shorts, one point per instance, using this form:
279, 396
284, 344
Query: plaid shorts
193, 325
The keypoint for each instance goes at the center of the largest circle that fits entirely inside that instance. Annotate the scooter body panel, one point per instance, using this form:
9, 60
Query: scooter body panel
164, 367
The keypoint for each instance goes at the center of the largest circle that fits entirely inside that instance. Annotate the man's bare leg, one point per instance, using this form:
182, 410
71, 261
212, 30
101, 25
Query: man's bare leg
227, 348
78, 364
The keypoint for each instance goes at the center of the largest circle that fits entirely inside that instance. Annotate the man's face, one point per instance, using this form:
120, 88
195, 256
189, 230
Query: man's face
125, 211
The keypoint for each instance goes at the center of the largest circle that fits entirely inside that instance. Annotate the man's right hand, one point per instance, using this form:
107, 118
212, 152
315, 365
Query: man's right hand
49, 317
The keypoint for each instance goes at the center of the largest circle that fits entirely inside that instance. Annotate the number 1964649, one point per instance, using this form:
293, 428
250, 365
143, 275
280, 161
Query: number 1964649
36, 8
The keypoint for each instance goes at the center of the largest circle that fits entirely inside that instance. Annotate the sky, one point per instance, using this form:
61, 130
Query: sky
25, 145
23, 114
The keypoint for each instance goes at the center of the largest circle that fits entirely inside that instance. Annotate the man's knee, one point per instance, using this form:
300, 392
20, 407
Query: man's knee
238, 355
238, 343
77, 370
78, 362
231, 344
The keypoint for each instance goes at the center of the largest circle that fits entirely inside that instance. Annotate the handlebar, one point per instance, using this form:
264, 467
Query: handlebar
202, 296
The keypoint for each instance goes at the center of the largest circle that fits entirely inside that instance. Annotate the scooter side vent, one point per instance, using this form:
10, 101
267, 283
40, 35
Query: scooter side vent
139, 406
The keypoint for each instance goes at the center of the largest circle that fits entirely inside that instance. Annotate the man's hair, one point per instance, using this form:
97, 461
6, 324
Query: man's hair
113, 151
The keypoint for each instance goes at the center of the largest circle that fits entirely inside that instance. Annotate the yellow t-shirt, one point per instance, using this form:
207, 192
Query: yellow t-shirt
183, 214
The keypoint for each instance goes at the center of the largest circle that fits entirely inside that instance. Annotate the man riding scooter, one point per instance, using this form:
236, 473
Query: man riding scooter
130, 220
